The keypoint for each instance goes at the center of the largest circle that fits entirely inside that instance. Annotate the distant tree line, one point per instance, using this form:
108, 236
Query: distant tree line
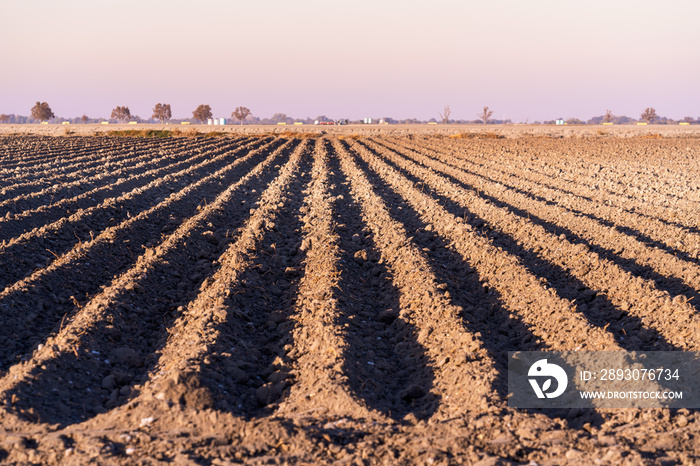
41, 112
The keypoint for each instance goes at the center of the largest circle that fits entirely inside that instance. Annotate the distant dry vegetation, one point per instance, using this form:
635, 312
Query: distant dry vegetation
202, 113
121, 113
164, 133
162, 112
477, 136
41, 111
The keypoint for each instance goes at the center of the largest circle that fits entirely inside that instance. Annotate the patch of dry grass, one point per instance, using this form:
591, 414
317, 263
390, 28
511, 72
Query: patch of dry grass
477, 136
295, 135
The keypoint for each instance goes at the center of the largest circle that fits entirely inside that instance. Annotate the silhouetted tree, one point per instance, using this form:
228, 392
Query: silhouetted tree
241, 113
445, 115
485, 114
4, 118
121, 113
41, 111
84, 119
609, 117
202, 113
162, 112
649, 114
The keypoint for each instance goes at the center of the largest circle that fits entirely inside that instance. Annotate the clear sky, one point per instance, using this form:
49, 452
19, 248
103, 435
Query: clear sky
535, 59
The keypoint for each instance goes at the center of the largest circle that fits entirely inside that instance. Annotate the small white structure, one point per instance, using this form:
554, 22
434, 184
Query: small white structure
367, 121
209, 121
561, 122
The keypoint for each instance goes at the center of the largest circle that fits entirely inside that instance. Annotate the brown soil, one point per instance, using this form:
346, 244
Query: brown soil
332, 299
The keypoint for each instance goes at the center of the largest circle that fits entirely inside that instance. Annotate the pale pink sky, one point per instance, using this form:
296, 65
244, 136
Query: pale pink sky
531, 60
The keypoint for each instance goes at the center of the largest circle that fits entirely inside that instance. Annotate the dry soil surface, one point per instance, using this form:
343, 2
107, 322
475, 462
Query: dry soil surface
344, 297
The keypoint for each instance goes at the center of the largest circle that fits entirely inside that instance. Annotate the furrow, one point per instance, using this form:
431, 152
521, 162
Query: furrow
645, 198
103, 352
74, 159
499, 328
634, 203
549, 317
110, 186
635, 207
463, 370
639, 165
227, 349
63, 169
33, 306
571, 216
27, 156
639, 321
320, 386
99, 183
36, 180
42, 245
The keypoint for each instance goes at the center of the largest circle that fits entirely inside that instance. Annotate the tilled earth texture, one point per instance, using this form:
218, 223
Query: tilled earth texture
347, 299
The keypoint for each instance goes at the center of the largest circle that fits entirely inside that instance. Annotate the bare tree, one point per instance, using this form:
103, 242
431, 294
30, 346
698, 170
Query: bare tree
445, 115
121, 113
41, 111
609, 117
649, 114
162, 112
240, 114
201, 113
485, 114
4, 118
84, 119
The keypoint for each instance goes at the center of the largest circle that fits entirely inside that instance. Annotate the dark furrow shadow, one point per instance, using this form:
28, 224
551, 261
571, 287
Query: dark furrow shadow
21, 259
673, 197
27, 152
105, 186
621, 228
66, 171
387, 368
690, 229
482, 305
106, 173
247, 370
483, 313
628, 330
116, 354
30, 315
16, 226
673, 285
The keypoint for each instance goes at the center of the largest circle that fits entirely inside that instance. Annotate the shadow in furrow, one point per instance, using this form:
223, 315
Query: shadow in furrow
247, 370
32, 150
114, 355
483, 314
482, 306
628, 330
20, 259
386, 367
29, 314
673, 285
66, 170
66, 198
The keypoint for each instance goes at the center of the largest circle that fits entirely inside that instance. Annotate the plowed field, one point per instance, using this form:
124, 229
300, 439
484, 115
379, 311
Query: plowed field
349, 300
